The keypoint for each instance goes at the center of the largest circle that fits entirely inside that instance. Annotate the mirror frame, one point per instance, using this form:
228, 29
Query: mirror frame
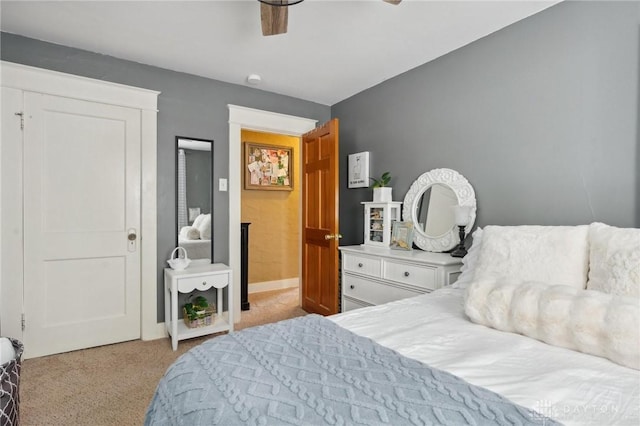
210, 141
464, 193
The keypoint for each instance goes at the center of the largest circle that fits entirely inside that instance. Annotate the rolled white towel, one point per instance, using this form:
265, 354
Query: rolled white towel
189, 233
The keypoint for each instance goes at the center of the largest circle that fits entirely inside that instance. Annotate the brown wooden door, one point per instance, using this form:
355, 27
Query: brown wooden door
320, 191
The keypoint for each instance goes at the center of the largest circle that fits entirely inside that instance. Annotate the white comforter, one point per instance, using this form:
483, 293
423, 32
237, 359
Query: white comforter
571, 387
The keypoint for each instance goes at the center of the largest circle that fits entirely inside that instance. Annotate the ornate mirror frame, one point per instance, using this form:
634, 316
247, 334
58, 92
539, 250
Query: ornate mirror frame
464, 193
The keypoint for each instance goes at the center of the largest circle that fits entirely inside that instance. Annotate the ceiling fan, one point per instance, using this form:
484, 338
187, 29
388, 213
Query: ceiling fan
274, 15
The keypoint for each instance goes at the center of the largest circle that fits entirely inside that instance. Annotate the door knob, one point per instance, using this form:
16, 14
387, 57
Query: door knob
132, 235
333, 236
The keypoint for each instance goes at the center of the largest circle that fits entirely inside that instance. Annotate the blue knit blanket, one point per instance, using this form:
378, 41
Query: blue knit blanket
310, 371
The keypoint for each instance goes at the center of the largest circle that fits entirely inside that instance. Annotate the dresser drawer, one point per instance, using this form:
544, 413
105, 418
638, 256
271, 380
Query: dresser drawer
202, 282
373, 292
351, 304
365, 265
406, 273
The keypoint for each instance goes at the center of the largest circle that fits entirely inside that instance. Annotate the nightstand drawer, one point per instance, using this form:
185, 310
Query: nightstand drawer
203, 282
373, 292
406, 273
362, 265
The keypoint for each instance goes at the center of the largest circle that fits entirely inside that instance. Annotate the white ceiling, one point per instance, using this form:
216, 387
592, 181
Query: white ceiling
333, 49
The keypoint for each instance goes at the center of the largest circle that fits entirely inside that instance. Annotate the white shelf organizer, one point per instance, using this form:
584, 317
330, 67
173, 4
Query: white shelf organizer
378, 218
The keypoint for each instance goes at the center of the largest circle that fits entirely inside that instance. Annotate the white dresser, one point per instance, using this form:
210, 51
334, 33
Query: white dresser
200, 277
372, 275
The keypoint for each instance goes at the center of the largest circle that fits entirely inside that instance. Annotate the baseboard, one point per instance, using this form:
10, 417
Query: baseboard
274, 285
158, 332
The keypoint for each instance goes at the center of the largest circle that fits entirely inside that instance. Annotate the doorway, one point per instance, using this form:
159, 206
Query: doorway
272, 209
263, 121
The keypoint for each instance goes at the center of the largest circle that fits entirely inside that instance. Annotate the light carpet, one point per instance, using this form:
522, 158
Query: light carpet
113, 384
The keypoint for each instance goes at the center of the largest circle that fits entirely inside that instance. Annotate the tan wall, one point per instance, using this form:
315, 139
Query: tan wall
274, 234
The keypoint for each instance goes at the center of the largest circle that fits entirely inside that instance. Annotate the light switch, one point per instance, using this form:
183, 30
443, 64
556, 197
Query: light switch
222, 184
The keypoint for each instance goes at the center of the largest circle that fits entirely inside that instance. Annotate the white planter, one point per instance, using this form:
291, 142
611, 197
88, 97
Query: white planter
382, 194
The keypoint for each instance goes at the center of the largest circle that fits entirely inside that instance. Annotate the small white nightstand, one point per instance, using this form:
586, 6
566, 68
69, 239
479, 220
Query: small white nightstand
200, 278
372, 276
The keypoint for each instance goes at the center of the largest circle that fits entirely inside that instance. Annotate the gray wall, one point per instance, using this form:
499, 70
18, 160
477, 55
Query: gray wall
198, 179
189, 106
541, 118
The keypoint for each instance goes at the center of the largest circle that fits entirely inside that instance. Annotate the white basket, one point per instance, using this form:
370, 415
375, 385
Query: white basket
179, 263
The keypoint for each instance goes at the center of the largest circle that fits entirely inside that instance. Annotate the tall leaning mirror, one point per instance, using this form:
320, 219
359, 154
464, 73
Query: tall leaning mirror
194, 196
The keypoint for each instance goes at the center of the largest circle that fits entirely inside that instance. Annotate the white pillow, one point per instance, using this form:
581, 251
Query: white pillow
205, 227
469, 261
588, 321
548, 254
614, 260
196, 223
189, 233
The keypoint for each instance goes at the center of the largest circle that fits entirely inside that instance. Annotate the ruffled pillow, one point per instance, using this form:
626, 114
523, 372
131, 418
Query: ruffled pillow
550, 254
614, 260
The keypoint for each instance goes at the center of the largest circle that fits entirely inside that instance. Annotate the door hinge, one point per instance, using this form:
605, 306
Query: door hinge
24, 322
21, 115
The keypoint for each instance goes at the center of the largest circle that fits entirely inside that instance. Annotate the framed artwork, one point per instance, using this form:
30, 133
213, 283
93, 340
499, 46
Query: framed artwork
268, 167
401, 235
359, 170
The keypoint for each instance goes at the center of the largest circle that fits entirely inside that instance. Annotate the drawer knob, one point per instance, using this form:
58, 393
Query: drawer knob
204, 283
352, 286
360, 265
406, 274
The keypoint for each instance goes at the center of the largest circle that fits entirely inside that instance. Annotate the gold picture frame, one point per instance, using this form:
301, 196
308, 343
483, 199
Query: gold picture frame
268, 167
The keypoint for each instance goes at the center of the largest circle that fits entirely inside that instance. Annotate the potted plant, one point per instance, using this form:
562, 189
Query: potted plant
382, 192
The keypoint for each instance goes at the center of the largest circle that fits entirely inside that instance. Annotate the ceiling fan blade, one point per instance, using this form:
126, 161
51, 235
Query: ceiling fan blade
392, 1
274, 19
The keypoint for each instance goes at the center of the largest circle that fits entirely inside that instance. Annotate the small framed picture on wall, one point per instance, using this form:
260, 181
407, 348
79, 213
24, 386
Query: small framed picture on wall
267, 167
359, 170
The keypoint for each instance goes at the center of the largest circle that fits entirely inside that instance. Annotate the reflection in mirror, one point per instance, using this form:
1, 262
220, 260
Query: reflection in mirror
435, 210
195, 196
429, 204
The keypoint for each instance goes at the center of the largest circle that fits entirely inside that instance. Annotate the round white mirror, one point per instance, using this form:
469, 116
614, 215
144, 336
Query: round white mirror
430, 204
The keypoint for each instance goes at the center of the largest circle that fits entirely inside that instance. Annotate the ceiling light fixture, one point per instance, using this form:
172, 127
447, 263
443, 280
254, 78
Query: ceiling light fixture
280, 2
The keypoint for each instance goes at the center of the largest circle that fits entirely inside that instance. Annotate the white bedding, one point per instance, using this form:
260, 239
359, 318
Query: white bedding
196, 249
571, 387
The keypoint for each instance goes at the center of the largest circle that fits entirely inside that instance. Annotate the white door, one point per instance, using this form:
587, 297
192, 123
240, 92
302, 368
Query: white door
81, 202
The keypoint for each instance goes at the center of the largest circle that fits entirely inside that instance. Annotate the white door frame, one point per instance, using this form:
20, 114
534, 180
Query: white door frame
55, 83
262, 121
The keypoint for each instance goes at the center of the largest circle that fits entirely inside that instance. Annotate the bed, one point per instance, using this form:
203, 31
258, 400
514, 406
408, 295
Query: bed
196, 249
422, 360
196, 238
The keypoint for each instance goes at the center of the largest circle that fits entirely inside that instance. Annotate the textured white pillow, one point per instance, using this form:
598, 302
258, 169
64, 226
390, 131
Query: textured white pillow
196, 223
469, 261
548, 254
588, 321
614, 260
205, 227
189, 233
